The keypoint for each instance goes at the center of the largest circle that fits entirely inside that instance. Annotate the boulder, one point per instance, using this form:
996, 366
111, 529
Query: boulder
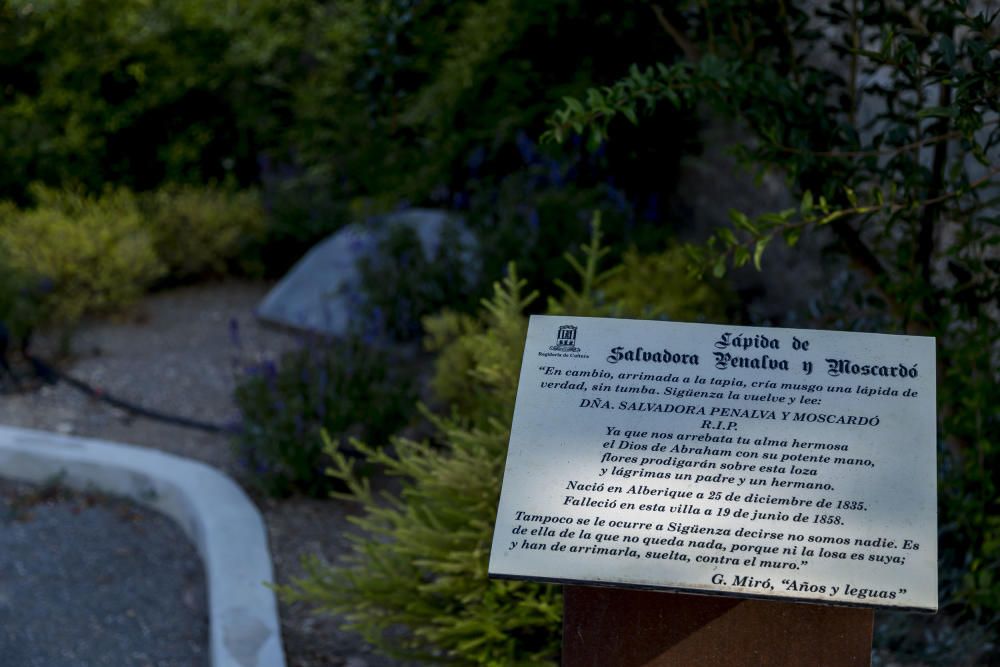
321, 293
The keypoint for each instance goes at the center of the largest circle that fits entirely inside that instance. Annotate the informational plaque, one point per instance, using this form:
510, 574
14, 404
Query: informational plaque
757, 462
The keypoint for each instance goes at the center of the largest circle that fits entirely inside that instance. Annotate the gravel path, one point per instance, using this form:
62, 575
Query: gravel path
86, 580
176, 353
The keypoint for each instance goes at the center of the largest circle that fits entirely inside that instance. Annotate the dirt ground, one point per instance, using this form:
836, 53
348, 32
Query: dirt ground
181, 352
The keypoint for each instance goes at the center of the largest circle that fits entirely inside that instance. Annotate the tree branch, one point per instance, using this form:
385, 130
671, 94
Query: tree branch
925, 233
685, 45
896, 150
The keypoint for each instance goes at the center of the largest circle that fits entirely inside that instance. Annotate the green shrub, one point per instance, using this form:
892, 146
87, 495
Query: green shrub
203, 232
641, 287
86, 254
532, 221
19, 313
420, 560
302, 210
890, 145
344, 388
400, 284
383, 101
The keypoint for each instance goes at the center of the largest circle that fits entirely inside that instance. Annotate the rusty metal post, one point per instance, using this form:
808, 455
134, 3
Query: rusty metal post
608, 627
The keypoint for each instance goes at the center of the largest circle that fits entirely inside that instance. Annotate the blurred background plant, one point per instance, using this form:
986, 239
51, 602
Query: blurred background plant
336, 111
420, 561
203, 232
74, 253
347, 390
402, 281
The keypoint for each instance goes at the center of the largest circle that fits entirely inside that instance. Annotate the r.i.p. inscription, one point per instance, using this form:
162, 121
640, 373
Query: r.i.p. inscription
728, 460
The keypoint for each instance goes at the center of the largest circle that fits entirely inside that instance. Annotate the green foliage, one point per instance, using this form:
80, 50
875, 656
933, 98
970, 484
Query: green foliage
301, 211
75, 254
203, 232
122, 92
436, 82
420, 559
889, 140
335, 110
346, 389
18, 311
527, 219
401, 284
377, 100
641, 287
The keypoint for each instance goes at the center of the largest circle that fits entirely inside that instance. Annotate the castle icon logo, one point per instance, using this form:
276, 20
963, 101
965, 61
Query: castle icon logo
565, 339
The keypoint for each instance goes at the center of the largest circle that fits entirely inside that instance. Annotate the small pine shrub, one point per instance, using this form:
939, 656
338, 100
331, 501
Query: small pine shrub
203, 232
347, 389
420, 559
87, 254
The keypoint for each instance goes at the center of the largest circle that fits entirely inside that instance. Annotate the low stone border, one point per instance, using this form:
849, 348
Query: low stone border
214, 512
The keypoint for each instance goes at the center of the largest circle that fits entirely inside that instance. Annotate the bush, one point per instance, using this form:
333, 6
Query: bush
641, 287
400, 283
84, 254
890, 143
18, 311
201, 232
420, 560
345, 388
302, 209
383, 101
532, 218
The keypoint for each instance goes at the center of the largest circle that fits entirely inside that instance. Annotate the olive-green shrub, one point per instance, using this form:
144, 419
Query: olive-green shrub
204, 231
415, 580
82, 253
659, 286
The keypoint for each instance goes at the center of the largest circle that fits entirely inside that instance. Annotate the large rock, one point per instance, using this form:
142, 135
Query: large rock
321, 292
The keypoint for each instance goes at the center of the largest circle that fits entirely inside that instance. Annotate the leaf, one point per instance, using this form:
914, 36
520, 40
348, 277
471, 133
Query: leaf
937, 112
573, 104
727, 236
807, 203
758, 251
595, 138
742, 221
741, 255
719, 270
947, 48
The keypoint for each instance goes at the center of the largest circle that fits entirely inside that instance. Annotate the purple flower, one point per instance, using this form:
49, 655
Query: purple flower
476, 160
234, 332
652, 210
45, 285
526, 147
533, 218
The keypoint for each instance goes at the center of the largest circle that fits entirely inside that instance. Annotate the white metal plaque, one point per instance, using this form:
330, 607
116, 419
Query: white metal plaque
761, 462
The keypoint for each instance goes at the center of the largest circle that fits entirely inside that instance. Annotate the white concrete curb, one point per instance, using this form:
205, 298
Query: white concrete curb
213, 511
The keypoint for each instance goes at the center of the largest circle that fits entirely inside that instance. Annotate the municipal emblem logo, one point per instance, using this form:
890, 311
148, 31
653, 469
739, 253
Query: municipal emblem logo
565, 339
